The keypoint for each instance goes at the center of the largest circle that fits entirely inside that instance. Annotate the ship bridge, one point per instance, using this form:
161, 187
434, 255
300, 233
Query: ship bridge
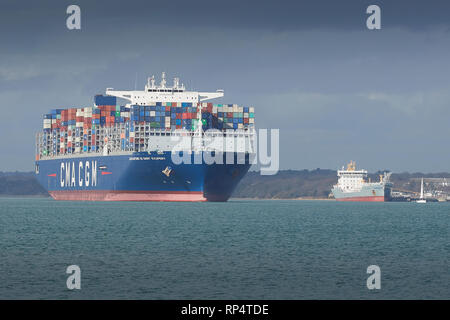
162, 93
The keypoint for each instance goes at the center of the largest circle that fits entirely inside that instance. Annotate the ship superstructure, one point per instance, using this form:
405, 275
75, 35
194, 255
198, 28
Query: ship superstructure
112, 152
353, 186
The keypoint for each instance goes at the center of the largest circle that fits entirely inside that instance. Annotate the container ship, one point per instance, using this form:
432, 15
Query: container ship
353, 186
109, 152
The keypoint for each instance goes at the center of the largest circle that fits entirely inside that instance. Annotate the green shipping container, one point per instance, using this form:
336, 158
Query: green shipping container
251, 115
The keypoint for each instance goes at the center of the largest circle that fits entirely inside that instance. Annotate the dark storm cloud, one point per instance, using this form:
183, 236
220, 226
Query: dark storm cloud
336, 90
273, 15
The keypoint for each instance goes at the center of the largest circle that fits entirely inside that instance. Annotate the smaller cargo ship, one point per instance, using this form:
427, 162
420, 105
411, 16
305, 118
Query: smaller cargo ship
353, 186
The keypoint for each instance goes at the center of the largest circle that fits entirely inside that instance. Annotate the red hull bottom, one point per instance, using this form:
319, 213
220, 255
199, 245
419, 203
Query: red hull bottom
362, 199
107, 195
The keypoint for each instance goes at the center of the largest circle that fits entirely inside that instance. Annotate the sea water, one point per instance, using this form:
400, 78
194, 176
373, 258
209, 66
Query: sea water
241, 249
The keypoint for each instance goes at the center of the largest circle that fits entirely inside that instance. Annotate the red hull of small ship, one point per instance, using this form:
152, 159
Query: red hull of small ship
363, 199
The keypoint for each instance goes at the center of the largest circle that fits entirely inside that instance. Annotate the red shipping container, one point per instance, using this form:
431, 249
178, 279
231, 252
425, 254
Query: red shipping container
131, 139
167, 108
229, 114
245, 120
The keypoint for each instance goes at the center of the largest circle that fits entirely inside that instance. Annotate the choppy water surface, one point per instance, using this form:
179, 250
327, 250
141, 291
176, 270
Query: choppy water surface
234, 250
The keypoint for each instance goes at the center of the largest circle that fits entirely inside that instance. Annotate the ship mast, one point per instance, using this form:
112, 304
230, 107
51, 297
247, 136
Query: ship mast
421, 189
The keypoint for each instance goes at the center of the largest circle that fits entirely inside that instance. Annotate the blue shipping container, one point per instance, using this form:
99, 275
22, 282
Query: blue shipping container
100, 100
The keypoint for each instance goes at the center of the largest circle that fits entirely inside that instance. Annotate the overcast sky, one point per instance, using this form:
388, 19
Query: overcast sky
336, 90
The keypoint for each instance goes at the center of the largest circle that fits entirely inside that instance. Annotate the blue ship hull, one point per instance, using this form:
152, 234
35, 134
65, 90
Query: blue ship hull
139, 176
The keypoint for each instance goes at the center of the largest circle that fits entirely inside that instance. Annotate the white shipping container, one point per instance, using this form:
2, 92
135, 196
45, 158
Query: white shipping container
251, 120
240, 109
152, 113
245, 115
251, 109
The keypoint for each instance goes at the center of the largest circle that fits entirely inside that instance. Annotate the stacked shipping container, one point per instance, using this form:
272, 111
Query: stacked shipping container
78, 130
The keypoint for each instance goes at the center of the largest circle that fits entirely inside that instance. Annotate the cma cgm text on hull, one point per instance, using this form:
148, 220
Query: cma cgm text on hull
164, 145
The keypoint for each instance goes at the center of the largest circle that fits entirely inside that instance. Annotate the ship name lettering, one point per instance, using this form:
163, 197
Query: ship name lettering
68, 175
80, 167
